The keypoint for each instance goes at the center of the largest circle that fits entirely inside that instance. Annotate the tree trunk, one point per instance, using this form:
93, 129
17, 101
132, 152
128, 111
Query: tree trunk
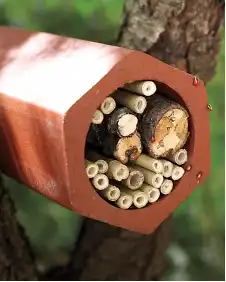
180, 32
16, 259
184, 33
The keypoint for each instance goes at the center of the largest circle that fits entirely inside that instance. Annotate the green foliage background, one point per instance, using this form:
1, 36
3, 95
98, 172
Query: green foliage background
197, 251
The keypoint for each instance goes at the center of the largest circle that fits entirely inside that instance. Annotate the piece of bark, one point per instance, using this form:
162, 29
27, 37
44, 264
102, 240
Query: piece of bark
164, 126
16, 259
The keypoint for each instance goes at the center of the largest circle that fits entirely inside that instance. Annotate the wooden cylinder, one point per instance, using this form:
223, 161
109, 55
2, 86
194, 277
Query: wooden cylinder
123, 149
122, 122
164, 126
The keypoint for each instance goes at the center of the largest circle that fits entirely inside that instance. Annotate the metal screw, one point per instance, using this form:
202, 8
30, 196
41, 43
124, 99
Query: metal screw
209, 107
188, 168
196, 81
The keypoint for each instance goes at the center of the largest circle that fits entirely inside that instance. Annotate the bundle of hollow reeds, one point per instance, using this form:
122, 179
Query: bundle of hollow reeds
134, 151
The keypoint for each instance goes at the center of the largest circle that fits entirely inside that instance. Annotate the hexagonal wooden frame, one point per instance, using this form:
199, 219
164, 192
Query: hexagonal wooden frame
49, 88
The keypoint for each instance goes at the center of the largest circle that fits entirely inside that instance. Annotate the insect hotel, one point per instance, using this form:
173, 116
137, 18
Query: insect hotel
112, 134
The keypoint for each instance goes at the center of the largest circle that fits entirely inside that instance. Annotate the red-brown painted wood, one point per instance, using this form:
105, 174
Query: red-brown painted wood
49, 89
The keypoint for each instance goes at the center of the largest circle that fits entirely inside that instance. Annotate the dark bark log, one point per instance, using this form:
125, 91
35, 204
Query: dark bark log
180, 32
16, 260
113, 122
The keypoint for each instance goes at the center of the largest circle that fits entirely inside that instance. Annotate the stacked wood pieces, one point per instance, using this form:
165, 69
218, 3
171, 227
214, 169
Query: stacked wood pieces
135, 146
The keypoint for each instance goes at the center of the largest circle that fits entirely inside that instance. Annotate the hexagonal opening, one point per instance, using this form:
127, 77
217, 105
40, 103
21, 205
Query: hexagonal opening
138, 144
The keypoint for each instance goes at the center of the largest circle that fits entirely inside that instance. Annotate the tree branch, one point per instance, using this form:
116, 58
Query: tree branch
16, 260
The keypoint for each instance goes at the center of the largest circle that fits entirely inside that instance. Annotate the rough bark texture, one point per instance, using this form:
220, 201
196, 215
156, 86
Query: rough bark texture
180, 32
16, 259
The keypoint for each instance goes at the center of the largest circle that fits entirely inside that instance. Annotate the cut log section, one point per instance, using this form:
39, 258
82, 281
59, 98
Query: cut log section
134, 102
164, 126
108, 106
122, 122
146, 88
123, 149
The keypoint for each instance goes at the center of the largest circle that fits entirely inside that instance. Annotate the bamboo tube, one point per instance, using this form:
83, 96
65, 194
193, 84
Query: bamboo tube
125, 201
180, 157
122, 122
152, 192
166, 187
167, 168
111, 193
100, 181
91, 169
132, 101
123, 149
98, 117
117, 171
177, 172
134, 180
97, 159
164, 126
151, 178
102, 166
108, 105
140, 199
149, 163
146, 88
